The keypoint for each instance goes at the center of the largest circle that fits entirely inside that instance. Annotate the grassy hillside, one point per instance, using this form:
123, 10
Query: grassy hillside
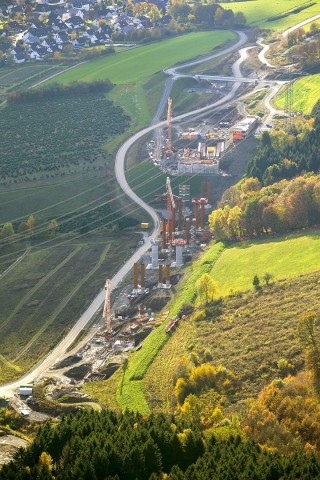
263, 12
23, 76
254, 335
284, 258
306, 93
54, 198
148, 382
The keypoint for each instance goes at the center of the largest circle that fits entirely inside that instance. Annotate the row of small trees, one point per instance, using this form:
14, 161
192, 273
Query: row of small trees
60, 90
27, 229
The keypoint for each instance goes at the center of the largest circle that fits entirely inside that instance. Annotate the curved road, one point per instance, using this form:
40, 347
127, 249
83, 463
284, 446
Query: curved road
301, 24
62, 347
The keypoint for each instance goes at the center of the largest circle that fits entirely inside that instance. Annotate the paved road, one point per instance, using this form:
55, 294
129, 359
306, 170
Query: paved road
262, 54
62, 347
301, 24
265, 48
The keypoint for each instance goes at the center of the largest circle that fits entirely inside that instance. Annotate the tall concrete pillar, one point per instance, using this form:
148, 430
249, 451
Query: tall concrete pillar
154, 255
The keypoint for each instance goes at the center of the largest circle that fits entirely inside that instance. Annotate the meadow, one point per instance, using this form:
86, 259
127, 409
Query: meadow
264, 13
254, 335
306, 92
136, 65
51, 199
283, 258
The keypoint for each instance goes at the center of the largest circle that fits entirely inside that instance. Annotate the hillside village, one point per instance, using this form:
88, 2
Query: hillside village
40, 30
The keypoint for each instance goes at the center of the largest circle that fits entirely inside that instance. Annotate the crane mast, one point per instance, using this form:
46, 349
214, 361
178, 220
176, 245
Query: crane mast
169, 116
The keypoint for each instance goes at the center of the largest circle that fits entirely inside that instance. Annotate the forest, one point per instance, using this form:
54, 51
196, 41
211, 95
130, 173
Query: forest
284, 156
251, 211
105, 446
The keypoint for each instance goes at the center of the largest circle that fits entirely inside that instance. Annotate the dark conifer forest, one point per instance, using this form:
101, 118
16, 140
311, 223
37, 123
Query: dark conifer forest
289, 156
105, 446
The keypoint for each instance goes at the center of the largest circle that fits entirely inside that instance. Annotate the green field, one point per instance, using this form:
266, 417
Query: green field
260, 12
138, 64
283, 258
306, 93
51, 199
46, 292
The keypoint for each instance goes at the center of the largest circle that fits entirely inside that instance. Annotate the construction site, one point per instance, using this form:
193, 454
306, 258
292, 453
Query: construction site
136, 307
132, 311
197, 150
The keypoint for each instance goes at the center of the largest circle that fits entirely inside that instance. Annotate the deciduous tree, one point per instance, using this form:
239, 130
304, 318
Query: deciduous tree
207, 288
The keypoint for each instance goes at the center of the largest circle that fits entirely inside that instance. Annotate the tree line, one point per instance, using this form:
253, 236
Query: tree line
206, 15
104, 446
281, 155
27, 229
250, 210
59, 90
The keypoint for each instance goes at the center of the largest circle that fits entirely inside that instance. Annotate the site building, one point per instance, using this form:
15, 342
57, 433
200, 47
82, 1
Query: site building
242, 129
25, 390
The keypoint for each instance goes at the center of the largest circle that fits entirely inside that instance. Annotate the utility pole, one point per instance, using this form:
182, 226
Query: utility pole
288, 107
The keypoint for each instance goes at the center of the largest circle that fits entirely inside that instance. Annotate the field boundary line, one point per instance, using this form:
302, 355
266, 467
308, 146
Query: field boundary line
39, 285
56, 74
10, 365
62, 304
15, 263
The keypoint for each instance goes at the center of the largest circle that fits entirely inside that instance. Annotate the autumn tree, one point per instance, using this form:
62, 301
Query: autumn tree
180, 12
7, 231
250, 185
240, 19
53, 227
31, 222
308, 338
267, 277
207, 288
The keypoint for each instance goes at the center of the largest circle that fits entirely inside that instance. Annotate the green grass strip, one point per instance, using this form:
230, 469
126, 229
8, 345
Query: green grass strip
130, 390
